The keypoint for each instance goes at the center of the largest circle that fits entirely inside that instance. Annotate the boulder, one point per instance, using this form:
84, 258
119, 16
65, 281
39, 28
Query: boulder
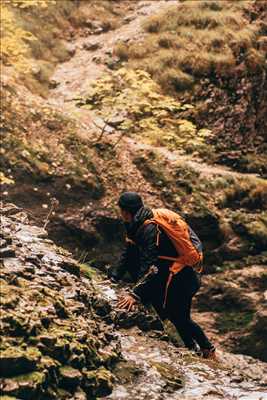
98, 382
69, 377
27, 386
91, 46
15, 361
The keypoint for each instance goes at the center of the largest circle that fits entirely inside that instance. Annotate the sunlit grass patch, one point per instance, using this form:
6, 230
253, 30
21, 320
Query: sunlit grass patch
196, 38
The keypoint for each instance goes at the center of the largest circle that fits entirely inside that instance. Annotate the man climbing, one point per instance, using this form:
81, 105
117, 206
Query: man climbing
162, 254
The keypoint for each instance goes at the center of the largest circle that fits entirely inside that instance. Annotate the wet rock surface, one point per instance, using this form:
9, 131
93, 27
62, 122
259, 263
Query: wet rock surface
51, 337
64, 338
156, 369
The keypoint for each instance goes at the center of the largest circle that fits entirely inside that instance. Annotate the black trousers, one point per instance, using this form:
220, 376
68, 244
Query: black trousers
184, 287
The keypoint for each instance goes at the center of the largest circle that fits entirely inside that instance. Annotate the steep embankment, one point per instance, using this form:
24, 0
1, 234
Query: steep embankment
53, 344
67, 164
63, 338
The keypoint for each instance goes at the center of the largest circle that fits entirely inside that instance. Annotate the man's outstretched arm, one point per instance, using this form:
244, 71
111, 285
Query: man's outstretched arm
117, 271
148, 271
149, 255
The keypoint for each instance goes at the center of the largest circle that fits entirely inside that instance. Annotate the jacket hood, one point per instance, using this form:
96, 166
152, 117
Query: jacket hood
140, 217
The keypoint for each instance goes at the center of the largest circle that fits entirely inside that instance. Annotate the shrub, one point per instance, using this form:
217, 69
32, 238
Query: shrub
176, 79
153, 24
246, 195
166, 40
121, 50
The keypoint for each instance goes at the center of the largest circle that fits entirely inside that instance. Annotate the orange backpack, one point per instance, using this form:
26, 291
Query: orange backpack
179, 232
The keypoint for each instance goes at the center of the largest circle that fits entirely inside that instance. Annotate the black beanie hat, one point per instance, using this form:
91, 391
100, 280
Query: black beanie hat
130, 201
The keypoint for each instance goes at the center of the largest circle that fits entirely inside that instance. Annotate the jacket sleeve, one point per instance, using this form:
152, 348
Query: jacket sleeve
119, 270
149, 257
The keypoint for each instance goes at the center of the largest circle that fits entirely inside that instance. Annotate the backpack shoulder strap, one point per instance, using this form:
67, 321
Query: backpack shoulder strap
153, 221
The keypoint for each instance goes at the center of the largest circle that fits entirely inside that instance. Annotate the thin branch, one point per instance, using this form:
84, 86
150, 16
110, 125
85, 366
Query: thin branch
115, 144
54, 204
102, 130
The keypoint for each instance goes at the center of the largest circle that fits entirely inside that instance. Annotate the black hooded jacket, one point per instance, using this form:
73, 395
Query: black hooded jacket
137, 258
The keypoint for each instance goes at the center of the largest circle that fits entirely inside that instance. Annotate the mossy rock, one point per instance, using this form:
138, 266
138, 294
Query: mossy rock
27, 386
98, 383
69, 378
14, 361
126, 372
172, 378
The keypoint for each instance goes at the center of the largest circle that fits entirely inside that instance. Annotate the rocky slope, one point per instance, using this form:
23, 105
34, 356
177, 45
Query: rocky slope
66, 164
62, 337
53, 344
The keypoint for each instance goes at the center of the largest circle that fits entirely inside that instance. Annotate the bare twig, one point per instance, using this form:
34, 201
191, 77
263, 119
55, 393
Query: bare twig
102, 130
116, 143
54, 204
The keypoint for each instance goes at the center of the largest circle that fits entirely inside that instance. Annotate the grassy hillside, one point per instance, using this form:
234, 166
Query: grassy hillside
213, 54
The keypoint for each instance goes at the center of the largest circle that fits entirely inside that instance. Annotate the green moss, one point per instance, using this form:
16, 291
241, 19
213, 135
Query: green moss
98, 382
34, 378
173, 379
232, 321
26, 386
88, 271
252, 227
15, 360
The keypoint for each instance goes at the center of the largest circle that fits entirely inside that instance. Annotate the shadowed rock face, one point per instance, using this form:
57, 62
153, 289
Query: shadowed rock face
51, 337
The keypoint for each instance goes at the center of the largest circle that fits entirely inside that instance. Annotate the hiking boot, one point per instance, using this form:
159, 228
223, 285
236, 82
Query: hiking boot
209, 353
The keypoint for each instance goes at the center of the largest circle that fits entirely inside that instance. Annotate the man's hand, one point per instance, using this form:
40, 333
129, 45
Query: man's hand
127, 302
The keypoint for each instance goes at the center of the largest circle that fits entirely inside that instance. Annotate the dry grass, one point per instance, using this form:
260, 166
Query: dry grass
194, 40
177, 79
246, 194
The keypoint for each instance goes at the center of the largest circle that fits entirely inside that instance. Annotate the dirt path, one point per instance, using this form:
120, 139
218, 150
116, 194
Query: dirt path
205, 170
75, 77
